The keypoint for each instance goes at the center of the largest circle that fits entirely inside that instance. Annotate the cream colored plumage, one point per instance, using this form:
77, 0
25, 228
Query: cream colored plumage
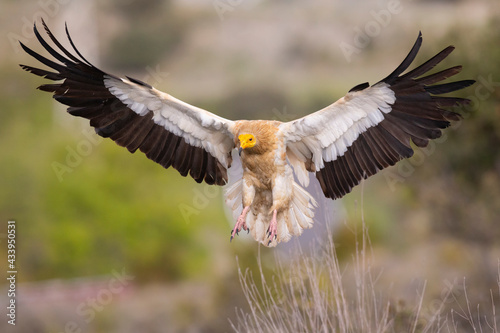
367, 130
274, 207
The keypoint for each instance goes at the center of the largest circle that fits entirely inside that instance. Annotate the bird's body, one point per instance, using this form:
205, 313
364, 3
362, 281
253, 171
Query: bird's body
275, 204
367, 130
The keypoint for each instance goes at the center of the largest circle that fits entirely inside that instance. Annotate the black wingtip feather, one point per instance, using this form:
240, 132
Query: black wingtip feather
439, 76
59, 45
139, 82
74, 47
407, 61
360, 87
429, 64
448, 87
49, 49
42, 59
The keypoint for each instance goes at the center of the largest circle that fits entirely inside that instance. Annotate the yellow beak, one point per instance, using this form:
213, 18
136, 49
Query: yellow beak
246, 141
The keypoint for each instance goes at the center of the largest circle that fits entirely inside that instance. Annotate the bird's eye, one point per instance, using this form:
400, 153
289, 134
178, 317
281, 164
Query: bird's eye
251, 139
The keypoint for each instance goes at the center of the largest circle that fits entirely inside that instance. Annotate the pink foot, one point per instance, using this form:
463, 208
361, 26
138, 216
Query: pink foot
240, 224
273, 228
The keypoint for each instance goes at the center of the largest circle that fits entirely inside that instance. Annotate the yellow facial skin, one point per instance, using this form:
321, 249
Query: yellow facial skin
247, 141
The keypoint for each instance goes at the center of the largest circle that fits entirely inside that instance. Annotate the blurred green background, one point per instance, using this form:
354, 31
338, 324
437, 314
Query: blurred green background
435, 217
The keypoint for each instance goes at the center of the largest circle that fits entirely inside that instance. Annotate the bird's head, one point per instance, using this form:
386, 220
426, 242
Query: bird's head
246, 141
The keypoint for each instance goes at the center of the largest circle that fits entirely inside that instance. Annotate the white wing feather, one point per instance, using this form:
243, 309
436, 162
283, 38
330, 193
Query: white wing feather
198, 127
326, 134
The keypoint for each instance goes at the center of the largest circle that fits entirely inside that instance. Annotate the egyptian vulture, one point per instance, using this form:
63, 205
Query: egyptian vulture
367, 130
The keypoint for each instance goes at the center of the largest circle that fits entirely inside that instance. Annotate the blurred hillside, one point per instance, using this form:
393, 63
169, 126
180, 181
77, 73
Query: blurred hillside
432, 218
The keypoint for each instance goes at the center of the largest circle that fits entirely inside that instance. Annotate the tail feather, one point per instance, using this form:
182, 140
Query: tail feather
284, 232
298, 216
292, 222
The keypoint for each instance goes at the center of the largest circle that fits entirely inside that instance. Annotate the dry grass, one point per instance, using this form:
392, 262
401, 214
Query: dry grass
307, 294
311, 292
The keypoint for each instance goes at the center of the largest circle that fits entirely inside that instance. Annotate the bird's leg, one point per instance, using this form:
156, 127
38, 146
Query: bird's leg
273, 227
240, 223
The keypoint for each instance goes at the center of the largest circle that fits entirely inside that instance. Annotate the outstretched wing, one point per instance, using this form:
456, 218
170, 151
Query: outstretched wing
137, 116
370, 128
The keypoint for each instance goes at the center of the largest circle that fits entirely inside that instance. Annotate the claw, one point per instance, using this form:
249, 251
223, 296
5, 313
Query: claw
272, 231
240, 224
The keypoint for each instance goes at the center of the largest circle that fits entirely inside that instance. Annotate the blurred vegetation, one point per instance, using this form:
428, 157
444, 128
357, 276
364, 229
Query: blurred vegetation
140, 45
108, 212
468, 163
117, 210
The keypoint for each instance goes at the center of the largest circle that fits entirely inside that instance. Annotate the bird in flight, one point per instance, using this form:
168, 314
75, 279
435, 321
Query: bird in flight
367, 130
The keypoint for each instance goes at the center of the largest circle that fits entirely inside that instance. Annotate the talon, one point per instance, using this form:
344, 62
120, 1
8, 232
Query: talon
272, 231
240, 223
